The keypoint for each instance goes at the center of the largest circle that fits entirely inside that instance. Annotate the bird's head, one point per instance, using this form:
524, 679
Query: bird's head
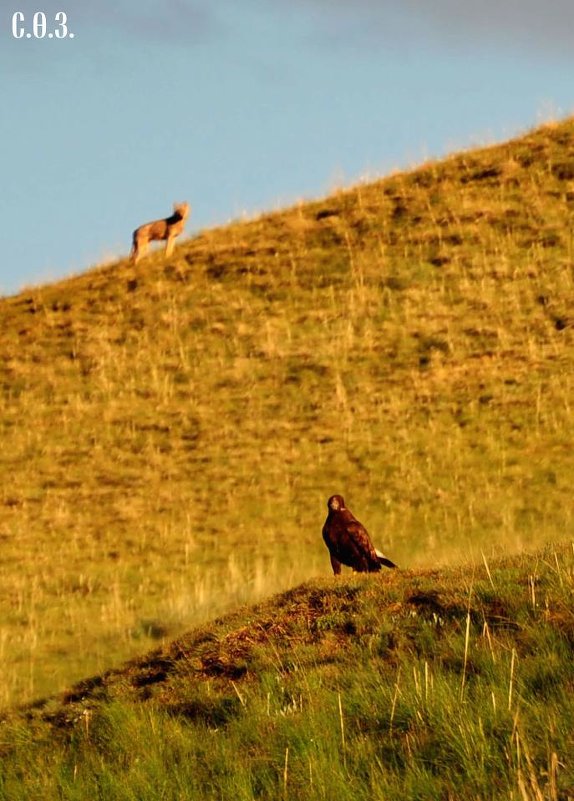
336, 502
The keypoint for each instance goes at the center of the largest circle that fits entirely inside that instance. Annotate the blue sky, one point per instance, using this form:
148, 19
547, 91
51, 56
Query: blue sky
245, 106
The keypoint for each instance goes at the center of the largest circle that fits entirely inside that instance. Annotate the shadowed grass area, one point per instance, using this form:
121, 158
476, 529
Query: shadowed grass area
420, 685
170, 433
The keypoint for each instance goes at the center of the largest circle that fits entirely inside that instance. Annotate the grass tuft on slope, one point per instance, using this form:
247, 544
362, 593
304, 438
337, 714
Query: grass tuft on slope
417, 685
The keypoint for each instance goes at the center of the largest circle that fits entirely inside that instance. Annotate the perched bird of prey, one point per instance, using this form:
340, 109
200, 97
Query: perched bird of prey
348, 540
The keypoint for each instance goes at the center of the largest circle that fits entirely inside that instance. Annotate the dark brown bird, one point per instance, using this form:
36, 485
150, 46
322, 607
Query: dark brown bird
348, 541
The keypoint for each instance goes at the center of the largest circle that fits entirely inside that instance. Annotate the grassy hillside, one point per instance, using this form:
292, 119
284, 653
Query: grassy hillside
170, 433
420, 685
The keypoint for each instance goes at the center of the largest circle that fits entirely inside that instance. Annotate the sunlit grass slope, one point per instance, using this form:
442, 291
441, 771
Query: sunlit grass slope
171, 432
445, 684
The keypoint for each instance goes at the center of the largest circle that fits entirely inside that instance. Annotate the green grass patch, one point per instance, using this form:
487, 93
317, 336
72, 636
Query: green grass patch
445, 684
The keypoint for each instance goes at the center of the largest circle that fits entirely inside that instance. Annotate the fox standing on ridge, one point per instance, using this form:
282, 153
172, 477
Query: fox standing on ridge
167, 229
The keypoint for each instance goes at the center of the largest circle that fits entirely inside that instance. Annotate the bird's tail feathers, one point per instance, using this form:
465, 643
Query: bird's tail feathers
383, 559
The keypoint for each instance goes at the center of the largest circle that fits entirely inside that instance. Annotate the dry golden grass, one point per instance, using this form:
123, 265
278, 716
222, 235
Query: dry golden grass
170, 434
